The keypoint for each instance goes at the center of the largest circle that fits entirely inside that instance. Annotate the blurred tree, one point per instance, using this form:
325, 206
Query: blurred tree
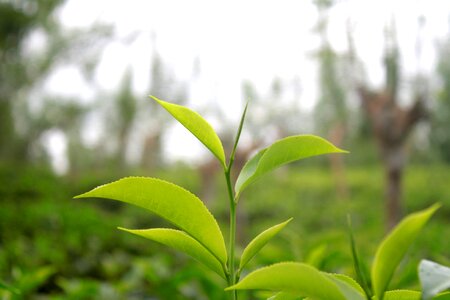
165, 86
124, 116
17, 19
331, 112
24, 68
440, 135
391, 125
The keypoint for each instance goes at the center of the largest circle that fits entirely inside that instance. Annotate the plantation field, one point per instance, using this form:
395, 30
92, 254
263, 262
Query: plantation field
54, 247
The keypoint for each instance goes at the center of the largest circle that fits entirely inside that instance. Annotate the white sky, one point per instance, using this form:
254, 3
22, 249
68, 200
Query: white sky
256, 40
253, 39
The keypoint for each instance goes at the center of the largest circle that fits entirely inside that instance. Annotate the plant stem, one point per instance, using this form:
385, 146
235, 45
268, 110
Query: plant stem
233, 276
231, 266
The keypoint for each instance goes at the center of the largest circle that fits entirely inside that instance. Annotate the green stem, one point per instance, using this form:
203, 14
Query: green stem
233, 276
231, 261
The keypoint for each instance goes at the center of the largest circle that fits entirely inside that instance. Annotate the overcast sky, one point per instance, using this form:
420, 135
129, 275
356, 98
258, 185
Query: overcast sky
253, 40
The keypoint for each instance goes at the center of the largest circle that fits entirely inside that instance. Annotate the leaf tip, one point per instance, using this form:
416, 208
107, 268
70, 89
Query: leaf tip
81, 196
230, 288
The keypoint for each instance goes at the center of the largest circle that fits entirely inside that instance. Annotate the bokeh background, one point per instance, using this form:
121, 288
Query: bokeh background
373, 77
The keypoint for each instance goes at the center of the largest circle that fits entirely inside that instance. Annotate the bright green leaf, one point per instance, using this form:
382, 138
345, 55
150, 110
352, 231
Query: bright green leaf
172, 203
291, 277
400, 295
442, 296
259, 242
434, 278
285, 296
394, 246
198, 126
350, 281
282, 152
183, 242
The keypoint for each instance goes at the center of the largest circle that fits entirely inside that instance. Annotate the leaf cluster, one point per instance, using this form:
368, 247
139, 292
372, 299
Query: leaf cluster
198, 233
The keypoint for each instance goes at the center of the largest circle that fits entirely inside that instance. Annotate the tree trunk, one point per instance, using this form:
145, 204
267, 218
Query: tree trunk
336, 135
394, 161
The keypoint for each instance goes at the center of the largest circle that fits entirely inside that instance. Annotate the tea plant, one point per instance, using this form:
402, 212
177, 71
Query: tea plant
199, 235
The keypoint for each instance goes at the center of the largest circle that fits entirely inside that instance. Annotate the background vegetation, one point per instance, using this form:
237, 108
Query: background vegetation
53, 247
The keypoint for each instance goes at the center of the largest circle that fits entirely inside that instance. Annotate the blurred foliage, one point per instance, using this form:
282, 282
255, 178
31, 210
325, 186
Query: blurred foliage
440, 135
70, 249
52, 247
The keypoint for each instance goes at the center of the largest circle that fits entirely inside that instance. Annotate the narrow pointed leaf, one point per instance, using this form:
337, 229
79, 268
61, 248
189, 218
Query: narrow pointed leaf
434, 278
282, 152
394, 246
171, 202
183, 242
291, 277
238, 135
259, 242
198, 126
359, 270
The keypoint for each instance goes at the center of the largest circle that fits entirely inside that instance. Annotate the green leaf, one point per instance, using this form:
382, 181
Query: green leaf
349, 281
259, 242
434, 278
171, 202
198, 126
181, 241
291, 277
394, 246
401, 295
4, 286
285, 296
282, 152
238, 135
442, 296
347, 287
359, 270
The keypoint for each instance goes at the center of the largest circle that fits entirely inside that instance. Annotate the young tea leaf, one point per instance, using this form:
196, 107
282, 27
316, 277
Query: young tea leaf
348, 280
401, 295
291, 277
259, 242
198, 126
348, 287
181, 241
434, 278
394, 246
238, 135
285, 296
282, 152
170, 202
